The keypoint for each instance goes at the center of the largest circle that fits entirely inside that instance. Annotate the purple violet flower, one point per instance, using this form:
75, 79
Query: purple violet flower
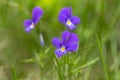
37, 13
66, 18
69, 43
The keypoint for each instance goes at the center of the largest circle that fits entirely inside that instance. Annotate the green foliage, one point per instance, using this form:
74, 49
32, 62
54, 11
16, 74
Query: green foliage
98, 56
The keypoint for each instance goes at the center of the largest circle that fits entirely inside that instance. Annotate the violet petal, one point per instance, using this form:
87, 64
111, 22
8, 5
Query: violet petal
27, 23
71, 27
64, 14
75, 20
37, 13
56, 42
65, 36
72, 47
28, 29
73, 42
60, 53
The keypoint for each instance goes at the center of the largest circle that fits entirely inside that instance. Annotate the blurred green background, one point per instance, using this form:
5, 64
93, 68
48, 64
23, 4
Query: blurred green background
23, 58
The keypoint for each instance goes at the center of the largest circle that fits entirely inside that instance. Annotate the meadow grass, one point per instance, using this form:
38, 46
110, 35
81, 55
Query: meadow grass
23, 58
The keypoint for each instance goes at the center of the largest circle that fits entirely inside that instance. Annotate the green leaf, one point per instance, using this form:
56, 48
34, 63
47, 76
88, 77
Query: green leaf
28, 60
86, 65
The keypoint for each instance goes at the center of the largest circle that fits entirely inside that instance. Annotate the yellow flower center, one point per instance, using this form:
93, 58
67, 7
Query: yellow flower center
62, 48
69, 22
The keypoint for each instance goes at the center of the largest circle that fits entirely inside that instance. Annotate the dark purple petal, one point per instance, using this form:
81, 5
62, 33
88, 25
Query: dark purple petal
37, 13
73, 38
65, 36
67, 11
60, 53
72, 47
72, 43
64, 14
56, 42
62, 19
75, 20
27, 23
71, 27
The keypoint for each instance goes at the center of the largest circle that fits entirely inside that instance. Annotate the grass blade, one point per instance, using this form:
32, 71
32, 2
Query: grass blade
102, 58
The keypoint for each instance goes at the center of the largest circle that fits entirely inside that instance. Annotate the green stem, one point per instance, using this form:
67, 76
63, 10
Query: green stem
64, 68
102, 58
69, 67
14, 73
58, 68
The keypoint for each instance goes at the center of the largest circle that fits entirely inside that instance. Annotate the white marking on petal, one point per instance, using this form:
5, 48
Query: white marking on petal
32, 25
69, 22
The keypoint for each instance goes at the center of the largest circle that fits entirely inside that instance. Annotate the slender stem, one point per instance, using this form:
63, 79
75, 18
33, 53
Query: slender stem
69, 67
58, 68
102, 59
64, 75
14, 73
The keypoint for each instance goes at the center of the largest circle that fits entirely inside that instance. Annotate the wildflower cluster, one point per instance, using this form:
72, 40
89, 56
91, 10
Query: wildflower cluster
70, 40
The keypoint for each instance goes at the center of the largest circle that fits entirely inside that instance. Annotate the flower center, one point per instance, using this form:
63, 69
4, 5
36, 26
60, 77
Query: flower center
62, 49
69, 22
32, 25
